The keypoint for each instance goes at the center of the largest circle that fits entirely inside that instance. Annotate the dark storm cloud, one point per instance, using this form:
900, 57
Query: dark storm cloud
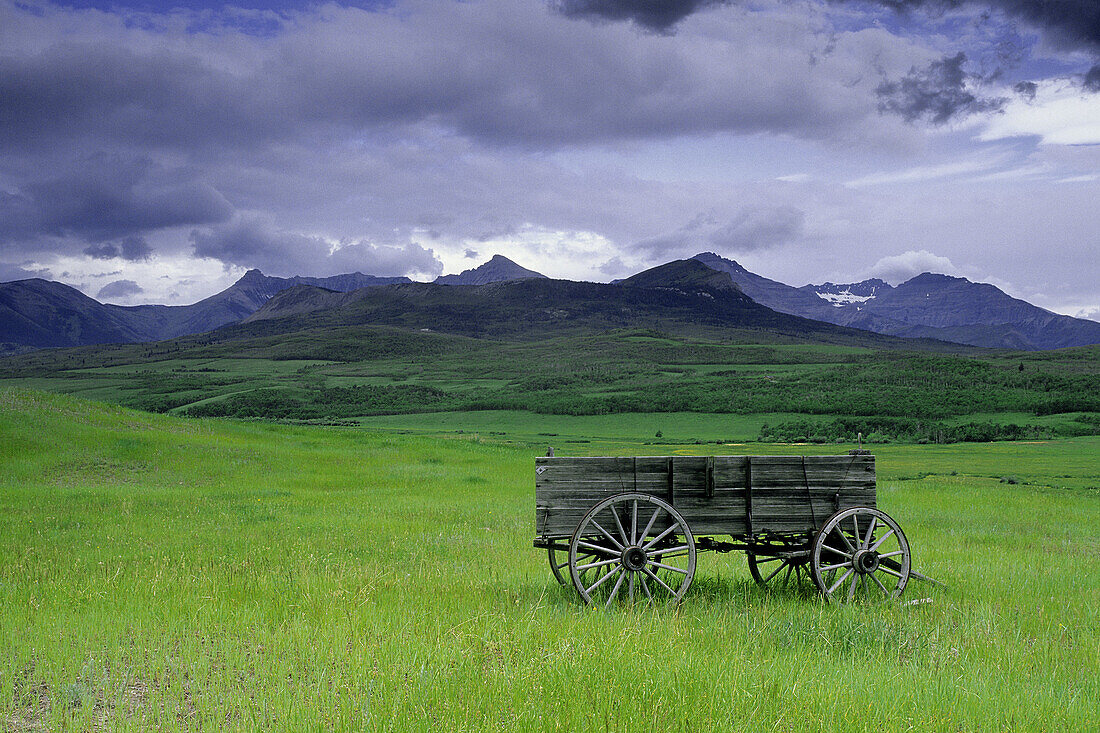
106, 196
938, 92
252, 242
1069, 22
93, 90
119, 289
656, 15
135, 249
131, 248
1026, 89
105, 251
456, 67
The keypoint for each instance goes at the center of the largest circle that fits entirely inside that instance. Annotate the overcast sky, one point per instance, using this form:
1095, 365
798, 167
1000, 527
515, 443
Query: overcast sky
153, 153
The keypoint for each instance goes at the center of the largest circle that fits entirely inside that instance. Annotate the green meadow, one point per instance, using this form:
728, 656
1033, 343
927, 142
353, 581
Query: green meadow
617, 385
202, 574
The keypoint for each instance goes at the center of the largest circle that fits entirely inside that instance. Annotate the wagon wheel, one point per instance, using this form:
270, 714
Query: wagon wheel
778, 571
644, 545
559, 564
559, 561
860, 552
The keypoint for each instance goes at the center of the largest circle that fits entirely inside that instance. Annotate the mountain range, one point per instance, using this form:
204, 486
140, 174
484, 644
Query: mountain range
684, 296
40, 313
707, 291
927, 306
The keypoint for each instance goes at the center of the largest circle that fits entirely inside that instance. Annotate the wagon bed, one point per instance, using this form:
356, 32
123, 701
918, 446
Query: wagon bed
608, 520
731, 495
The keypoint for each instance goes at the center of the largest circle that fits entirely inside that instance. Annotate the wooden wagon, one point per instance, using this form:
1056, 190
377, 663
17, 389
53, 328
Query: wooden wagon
632, 527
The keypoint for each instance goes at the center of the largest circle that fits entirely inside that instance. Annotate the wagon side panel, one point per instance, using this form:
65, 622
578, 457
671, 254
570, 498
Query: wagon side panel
566, 488
711, 493
794, 494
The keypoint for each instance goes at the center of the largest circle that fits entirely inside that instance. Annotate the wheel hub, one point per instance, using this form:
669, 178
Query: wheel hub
634, 558
865, 561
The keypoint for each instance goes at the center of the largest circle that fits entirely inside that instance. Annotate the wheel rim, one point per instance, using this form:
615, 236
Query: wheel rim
859, 554
639, 546
778, 571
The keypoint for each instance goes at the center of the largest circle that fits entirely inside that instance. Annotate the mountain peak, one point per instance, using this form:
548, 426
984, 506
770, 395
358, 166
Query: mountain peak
718, 262
934, 278
683, 274
498, 269
252, 276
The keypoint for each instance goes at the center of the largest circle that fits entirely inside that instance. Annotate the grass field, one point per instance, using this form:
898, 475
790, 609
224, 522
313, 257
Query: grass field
208, 575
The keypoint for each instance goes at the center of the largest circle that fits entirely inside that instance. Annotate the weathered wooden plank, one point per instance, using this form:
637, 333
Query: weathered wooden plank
763, 497
563, 521
796, 471
644, 484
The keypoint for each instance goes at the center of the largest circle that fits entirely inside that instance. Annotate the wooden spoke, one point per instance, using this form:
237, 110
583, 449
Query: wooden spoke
658, 538
882, 540
634, 529
615, 590
870, 533
662, 583
632, 557
607, 534
597, 548
601, 581
775, 572
649, 526
559, 563
675, 551
599, 564
832, 549
838, 566
619, 525
839, 582
883, 562
844, 538
789, 573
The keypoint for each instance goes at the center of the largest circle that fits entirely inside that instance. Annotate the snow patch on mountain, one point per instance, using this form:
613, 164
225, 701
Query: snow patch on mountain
844, 298
849, 294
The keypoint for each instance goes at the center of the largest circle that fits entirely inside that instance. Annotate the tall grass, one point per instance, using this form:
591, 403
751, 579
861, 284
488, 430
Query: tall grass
204, 575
